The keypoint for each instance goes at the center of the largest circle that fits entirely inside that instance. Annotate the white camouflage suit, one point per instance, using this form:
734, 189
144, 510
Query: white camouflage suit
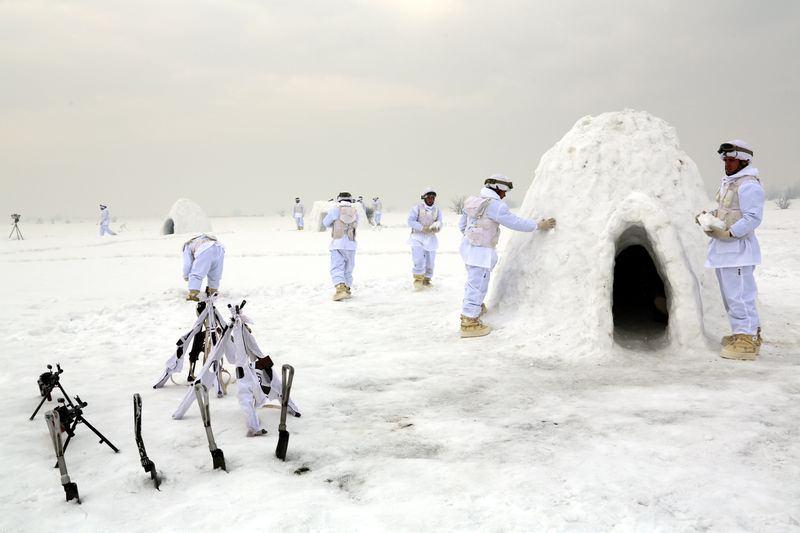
735, 260
344, 220
424, 245
203, 256
298, 212
479, 242
105, 220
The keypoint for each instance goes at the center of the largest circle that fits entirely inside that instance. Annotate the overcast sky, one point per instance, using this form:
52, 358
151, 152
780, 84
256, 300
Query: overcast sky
241, 105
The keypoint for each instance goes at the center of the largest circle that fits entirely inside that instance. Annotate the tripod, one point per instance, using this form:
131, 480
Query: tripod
16, 232
71, 415
47, 382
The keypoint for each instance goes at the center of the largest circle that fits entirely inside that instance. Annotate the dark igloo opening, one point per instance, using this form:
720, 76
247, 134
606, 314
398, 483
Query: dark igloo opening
169, 227
639, 301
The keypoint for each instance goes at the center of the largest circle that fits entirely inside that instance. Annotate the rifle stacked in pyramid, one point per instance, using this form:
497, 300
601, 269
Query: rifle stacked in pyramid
148, 465
53, 421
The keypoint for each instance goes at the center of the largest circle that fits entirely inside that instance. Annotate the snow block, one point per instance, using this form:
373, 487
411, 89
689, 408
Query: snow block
185, 217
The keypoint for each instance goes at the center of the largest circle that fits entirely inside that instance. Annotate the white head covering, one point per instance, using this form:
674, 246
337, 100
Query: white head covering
426, 191
505, 186
744, 156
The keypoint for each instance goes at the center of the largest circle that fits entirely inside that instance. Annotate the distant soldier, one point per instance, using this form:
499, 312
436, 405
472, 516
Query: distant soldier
734, 250
343, 221
105, 220
425, 220
377, 210
203, 256
480, 223
298, 212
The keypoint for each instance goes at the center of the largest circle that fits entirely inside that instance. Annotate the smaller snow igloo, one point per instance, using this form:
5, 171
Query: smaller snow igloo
185, 217
625, 262
320, 209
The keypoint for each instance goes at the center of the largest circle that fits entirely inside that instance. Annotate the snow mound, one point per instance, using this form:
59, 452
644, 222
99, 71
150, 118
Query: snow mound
625, 263
185, 217
321, 208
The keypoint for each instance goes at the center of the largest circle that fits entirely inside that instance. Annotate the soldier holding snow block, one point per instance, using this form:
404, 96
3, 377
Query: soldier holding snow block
343, 221
203, 256
480, 223
734, 250
425, 220
298, 212
105, 219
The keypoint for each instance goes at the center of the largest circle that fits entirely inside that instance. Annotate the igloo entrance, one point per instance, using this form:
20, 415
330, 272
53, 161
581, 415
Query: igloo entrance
169, 227
639, 301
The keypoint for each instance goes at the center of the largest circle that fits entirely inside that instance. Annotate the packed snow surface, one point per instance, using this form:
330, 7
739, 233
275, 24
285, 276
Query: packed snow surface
405, 426
613, 181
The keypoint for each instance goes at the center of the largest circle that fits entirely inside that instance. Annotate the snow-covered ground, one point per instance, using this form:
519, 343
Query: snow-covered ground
405, 426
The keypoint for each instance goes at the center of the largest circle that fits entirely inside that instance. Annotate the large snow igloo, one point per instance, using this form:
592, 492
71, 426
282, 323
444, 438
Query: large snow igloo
320, 209
625, 262
185, 217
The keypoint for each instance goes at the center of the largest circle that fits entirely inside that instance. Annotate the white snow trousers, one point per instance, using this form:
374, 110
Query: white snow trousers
377, 218
247, 398
209, 263
342, 264
298, 219
738, 288
105, 230
475, 290
423, 261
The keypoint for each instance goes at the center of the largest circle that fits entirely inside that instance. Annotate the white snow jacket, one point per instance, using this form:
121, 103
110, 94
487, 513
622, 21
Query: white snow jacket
343, 242
194, 247
424, 215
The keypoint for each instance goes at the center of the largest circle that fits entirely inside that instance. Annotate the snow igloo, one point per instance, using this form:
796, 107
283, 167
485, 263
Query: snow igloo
320, 209
185, 217
625, 262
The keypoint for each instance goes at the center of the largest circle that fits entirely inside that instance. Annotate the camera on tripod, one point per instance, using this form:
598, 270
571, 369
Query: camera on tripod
15, 218
69, 413
48, 380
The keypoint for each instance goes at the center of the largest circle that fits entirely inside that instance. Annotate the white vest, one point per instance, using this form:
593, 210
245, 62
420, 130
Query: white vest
728, 208
200, 244
480, 230
345, 224
426, 216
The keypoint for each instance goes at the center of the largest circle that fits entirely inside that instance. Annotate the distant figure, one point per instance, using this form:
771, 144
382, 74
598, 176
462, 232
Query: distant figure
377, 210
298, 212
203, 256
480, 223
105, 220
734, 251
425, 220
343, 221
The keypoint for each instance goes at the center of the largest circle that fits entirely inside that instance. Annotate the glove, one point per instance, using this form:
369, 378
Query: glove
185, 279
426, 229
435, 227
546, 224
721, 234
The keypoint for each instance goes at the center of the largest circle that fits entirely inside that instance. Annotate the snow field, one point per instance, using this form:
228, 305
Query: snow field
405, 426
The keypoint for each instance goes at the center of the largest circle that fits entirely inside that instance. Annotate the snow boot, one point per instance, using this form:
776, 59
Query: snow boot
193, 296
419, 282
484, 310
426, 282
341, 292
210, 291
257, 433
742, 347
349, 293
473, 327
727, 339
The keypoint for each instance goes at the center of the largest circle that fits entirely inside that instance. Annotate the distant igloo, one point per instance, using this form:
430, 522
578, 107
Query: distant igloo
185, 217
625, 263
320, 209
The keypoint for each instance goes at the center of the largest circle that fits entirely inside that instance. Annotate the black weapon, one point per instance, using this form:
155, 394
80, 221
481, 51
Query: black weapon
71, 415
47, 382
287, 373
148, 465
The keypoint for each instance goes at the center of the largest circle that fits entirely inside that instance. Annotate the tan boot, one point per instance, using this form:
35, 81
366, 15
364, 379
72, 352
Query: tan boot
193, 296
211, 290
484, 310
419, 282
727, 339
426, 282
741, 346
348, 292
341, 292
473, 327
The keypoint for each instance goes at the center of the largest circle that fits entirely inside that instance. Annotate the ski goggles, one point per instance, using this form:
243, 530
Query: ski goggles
501, 185
731, 150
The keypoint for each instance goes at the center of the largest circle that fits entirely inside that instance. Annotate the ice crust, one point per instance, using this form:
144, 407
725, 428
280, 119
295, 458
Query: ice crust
612, 181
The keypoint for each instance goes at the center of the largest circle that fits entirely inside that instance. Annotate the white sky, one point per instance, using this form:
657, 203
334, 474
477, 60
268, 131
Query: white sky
241, 105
